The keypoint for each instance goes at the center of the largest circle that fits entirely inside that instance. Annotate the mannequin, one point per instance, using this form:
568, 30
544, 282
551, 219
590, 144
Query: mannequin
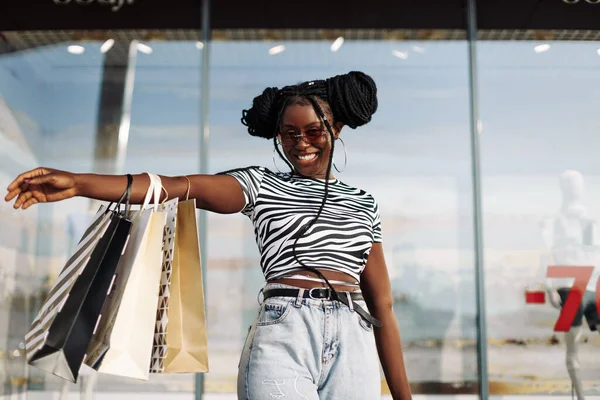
571, 237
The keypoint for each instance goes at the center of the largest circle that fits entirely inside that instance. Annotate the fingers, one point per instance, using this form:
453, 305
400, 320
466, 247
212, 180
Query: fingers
39, 180
30, 202
22, 199
12, 194
20, 186
25, 176
27, 188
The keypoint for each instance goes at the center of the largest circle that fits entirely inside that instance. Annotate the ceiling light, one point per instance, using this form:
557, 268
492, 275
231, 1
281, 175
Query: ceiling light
144, 48
598, 51
418, 49
541, 48
277, 49
337, 44
76, 49
199, 45
400, 54
106, 46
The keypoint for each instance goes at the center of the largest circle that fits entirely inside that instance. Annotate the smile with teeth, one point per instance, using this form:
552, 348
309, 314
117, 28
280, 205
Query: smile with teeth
308, 157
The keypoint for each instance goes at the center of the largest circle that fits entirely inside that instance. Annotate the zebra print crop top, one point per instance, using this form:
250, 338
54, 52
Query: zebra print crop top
279, 204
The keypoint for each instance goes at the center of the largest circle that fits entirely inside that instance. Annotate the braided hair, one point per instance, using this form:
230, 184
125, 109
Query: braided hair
351, 99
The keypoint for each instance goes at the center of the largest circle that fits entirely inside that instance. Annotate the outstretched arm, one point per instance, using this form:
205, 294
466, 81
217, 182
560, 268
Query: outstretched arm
377, 291
218, 193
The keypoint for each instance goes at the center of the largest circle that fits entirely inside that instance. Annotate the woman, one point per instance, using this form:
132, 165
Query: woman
319, 241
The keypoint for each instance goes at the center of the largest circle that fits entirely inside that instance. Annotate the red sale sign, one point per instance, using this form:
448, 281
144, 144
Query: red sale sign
582, 276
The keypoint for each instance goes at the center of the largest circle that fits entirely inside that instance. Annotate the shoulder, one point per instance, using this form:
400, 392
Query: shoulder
373, 202
358, 192
242, 170
257, 174
361, 197
255, 170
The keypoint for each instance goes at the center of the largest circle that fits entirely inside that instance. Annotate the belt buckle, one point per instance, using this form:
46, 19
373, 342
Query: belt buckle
323, 293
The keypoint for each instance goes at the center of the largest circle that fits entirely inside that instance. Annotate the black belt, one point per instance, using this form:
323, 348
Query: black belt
321, 293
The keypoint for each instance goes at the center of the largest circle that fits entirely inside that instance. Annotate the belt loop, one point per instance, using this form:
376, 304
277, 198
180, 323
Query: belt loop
350, 303
299, 298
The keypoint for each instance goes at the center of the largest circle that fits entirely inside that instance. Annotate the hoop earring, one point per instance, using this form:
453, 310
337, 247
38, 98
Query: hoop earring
345, 158
274, 163
281, 155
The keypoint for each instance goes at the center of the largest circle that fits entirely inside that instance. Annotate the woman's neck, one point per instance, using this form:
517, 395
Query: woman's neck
317, 177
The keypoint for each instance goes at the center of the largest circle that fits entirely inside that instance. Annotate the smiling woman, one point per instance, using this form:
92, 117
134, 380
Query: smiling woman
319, 108
308, 152
298, 119
319, 241
308, 226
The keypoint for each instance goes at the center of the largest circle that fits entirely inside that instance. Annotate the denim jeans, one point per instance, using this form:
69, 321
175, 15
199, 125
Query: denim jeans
308, 349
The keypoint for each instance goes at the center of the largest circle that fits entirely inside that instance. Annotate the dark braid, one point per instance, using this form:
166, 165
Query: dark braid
307, 227
352, 99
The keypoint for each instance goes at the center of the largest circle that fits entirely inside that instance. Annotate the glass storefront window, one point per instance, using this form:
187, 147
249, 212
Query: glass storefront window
48, 110
63, 95
62, 106
540, 201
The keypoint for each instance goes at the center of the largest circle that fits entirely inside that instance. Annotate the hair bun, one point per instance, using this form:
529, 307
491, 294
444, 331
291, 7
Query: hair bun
353, 98
260, 118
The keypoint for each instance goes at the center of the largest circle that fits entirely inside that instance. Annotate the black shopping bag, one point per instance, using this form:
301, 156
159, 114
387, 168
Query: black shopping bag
58, 338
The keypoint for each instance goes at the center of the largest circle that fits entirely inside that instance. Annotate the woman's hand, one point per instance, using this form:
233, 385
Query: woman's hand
41, 185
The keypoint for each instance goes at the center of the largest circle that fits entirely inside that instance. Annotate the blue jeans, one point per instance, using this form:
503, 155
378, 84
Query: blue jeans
305, 349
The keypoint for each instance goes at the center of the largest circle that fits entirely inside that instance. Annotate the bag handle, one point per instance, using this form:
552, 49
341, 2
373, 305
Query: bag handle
126, 196
153, 191
157, 190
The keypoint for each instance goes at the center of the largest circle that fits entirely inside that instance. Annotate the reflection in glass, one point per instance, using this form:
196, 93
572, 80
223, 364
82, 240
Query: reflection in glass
36, 123
540, 181
60, 105
572, 242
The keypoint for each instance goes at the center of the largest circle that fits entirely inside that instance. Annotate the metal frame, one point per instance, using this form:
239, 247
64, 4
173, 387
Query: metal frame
125, 126
204, 152
481, 322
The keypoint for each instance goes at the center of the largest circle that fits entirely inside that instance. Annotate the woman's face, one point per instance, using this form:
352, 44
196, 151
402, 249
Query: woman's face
305, 140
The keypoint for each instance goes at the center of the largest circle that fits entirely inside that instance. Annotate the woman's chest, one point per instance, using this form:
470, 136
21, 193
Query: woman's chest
339, 212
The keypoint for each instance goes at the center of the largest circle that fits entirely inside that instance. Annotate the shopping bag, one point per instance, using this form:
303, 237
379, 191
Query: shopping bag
186, 340
100, 342
159, 348
59, 335
122, 344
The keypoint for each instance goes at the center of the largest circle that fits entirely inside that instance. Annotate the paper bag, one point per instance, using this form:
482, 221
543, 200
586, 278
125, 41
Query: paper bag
187, 348
122, 344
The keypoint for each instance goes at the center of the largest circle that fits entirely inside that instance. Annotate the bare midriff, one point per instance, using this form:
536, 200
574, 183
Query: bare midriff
330, 275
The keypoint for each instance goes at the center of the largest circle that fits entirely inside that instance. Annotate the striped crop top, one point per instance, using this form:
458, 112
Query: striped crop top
280, 204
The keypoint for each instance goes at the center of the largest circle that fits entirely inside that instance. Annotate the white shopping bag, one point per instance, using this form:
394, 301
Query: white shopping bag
122, 344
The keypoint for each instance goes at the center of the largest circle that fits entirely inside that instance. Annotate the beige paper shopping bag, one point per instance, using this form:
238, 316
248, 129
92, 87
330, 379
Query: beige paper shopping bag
187, 348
